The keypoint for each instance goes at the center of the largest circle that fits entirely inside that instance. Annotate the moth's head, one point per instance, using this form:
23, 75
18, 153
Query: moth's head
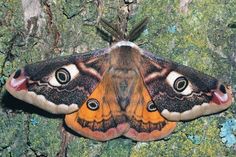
125, 44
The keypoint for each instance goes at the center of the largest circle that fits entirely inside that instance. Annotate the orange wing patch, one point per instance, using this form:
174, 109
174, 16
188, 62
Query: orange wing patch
100, 117
146, 123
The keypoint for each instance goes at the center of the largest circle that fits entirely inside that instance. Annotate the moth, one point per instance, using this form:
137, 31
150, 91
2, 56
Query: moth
122, 90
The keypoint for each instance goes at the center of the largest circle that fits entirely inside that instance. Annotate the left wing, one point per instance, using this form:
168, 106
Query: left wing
60, 85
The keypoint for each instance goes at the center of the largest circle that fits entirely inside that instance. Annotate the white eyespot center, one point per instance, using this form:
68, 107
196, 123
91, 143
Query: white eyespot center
93, 104
179, 83
151, 107
63, 75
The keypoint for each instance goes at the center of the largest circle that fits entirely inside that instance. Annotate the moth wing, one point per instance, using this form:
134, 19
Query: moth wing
146, 122
59, 85
100, 117
180, 92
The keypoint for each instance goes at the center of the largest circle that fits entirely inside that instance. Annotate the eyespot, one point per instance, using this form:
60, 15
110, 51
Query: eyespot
180, 84
151, 107
62, 76
93, 104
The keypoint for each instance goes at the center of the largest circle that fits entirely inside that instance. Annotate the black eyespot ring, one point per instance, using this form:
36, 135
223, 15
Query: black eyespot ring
180, 84
151, 107
63, 76
93, 104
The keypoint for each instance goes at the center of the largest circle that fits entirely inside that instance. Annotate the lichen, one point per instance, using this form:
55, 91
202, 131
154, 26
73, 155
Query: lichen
228, 131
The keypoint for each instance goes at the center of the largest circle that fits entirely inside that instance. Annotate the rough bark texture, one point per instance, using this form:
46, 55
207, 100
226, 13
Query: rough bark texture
200, 34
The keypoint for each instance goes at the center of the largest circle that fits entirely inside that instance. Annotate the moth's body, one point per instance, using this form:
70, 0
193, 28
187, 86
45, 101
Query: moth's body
121, 90
124, 73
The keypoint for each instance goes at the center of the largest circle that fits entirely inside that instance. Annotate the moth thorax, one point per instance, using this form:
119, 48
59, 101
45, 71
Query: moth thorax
124, 57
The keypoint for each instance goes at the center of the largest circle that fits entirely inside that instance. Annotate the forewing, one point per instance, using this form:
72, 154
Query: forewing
180, 92
59, 85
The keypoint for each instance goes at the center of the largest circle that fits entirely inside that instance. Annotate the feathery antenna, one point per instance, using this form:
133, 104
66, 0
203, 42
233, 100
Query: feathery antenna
137, 30
112, 29
119, 35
